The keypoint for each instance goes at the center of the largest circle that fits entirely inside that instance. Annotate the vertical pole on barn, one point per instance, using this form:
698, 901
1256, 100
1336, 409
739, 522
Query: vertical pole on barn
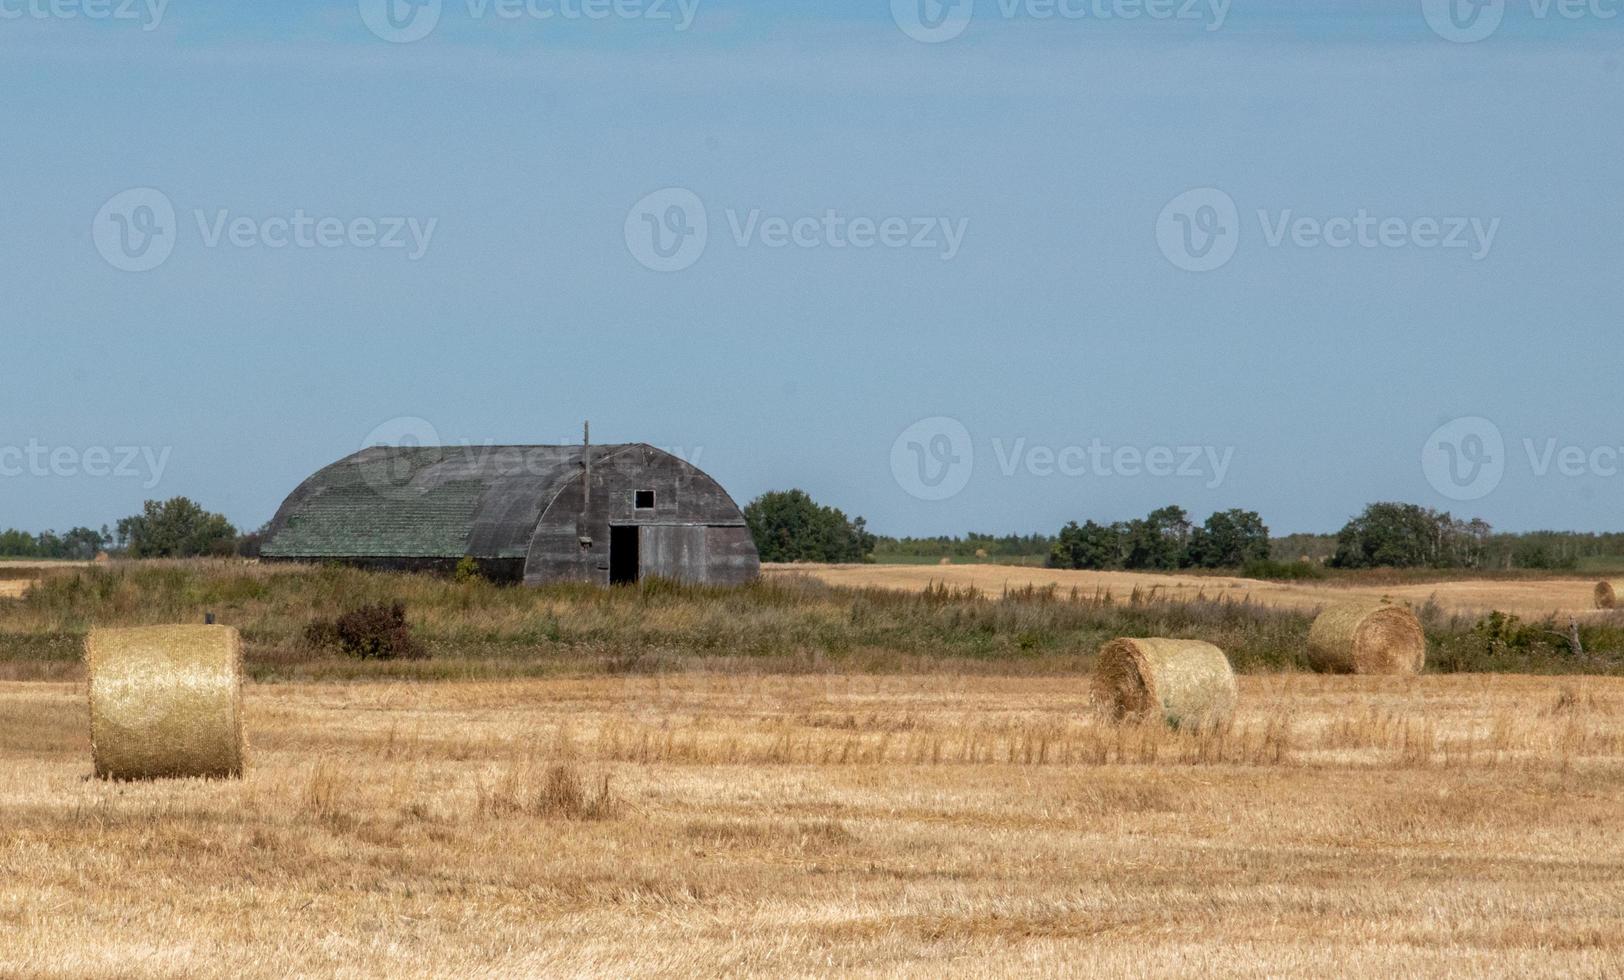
586, 453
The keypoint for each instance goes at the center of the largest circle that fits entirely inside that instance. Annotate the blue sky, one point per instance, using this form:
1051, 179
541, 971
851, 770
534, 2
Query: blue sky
1055, 148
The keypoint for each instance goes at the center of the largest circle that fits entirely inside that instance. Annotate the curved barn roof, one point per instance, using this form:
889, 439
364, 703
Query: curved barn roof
427, 502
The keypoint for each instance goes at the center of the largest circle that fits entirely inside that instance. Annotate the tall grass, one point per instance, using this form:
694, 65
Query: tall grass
480, 630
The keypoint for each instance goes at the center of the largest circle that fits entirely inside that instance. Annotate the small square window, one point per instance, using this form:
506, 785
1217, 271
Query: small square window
645, 500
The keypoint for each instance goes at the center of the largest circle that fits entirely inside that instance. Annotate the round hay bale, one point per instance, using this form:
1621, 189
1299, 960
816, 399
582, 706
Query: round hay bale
1606, 595
166, 702
1183, 682
1367, 638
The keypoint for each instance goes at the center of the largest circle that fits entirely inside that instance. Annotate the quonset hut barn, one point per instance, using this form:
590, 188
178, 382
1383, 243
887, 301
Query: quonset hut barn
606, 514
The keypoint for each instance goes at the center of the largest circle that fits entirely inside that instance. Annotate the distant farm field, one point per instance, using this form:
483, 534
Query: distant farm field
833, 825
1457, 593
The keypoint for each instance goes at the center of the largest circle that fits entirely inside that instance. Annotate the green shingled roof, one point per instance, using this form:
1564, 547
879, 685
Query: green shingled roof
425, 502
349, 522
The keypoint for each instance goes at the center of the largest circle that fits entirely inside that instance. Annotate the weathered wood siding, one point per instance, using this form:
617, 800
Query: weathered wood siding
694, 532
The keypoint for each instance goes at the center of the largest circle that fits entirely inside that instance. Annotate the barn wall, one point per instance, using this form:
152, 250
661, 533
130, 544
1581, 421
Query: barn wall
683, 496
733, 557
674, 551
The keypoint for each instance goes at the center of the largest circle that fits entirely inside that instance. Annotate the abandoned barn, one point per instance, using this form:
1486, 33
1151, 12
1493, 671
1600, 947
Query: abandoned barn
607, 514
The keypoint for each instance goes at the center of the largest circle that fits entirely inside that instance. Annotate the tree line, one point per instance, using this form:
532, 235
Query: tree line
789, 526
1164, 540
175, 528
1398, 535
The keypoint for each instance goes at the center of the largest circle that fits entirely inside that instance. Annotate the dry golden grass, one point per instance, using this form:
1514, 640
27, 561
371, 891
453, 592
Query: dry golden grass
1529, 598
14, 588
833, 825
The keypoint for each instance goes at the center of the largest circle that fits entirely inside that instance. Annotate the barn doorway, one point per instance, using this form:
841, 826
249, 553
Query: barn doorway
623, 558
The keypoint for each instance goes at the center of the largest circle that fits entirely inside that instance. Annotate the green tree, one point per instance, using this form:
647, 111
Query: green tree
248, 544
789, 525
1229, 539
83, 544
18, 544
176, 528
1159, 542
1090, 545
1394, 535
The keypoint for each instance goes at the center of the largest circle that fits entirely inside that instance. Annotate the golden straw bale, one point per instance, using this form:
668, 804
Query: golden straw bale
1183, 682
1606, 595
1367, 638
166, 701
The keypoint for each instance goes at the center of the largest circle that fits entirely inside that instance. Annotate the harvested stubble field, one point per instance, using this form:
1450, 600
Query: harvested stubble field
1531, 596
803, 779
822, 825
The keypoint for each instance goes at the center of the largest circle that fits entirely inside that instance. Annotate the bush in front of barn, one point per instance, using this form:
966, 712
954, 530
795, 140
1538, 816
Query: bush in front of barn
373, 632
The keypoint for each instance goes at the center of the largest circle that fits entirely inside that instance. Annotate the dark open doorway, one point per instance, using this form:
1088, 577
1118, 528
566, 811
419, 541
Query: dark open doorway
623, 557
